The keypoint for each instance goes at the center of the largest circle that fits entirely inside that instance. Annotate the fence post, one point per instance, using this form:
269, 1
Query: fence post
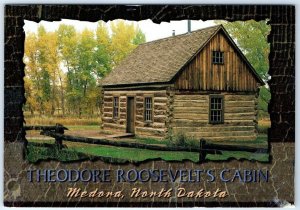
202, 151
60, 130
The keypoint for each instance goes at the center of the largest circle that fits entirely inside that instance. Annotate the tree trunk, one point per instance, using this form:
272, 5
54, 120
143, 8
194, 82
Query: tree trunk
53, 99
62, 96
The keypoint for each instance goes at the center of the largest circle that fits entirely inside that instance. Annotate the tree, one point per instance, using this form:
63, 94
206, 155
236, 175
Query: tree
86, 78
67, 48
64, 67
139, 37
102, 53
31, 70
53, 68
125, 37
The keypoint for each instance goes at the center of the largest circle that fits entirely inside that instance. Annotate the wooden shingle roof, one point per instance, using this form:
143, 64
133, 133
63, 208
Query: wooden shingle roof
160, 60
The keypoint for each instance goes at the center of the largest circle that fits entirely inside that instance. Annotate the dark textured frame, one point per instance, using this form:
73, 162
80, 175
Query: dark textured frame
281, 58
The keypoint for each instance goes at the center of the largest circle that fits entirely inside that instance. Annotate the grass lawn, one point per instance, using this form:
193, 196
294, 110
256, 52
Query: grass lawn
83, 127
36, 153
136, 155
79, 151
87, 151
66, 121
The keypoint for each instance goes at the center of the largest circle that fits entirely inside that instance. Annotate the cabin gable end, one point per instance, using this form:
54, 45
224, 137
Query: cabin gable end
218, 66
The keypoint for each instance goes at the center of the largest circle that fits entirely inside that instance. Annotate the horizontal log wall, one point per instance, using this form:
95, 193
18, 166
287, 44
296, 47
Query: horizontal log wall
191, 116
202, 74
155, 129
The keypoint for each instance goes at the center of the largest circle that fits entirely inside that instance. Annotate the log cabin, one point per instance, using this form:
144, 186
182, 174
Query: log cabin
199, 84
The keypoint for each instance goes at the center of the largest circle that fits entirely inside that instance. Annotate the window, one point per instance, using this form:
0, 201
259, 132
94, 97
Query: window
116, 107
216, 109
148, 109
218, 57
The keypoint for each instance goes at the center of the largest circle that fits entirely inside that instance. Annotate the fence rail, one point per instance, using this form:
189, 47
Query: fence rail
211, 148
58, 128
46, 127
205, 148
116, 143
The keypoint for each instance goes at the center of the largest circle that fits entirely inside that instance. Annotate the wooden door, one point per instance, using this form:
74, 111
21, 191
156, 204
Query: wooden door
130, 115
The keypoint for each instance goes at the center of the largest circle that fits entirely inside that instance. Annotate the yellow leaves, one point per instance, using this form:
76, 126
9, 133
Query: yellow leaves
67, 41
52, 58
87, 39
30, 53
63, 67
122, 38
102, 34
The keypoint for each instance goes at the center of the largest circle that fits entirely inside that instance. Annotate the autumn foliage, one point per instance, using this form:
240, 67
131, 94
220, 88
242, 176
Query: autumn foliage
64, 67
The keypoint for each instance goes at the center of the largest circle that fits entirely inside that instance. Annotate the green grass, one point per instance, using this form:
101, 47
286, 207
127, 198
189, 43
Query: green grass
136, 155
83, 151
144, 140
36, 153
79, 151
226, 155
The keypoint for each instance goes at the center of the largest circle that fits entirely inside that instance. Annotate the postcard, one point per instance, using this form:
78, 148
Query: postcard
149, 105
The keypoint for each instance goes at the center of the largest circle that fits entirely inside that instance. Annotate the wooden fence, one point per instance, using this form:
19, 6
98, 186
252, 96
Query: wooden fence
211, 148
205, 148
58, 128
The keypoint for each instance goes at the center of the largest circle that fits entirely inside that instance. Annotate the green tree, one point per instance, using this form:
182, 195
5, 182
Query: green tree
64, 67
67, 45
102, 52
54, 70
125, 37
139, 37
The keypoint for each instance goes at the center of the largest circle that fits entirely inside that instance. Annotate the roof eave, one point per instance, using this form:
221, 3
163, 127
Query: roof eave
136, 84
235, 46
243, 56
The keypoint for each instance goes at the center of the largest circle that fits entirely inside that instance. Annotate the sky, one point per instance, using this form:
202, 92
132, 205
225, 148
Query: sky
152, 30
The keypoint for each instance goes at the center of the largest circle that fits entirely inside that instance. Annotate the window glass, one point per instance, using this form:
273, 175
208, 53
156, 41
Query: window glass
216, 109
218, 57
148, 109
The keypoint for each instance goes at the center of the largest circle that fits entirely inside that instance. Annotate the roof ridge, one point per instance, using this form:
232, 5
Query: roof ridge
179, 35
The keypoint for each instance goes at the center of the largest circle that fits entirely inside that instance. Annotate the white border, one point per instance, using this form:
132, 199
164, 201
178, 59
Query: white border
291, 2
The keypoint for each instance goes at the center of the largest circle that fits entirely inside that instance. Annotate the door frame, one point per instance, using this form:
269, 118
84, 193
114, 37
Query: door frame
133, 109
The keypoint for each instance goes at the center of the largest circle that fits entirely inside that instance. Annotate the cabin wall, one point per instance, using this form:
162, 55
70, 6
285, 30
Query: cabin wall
191, 117
155, 129
202, 74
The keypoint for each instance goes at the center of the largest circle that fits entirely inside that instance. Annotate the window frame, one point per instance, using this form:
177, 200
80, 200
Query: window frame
114, 106
214, 57
151, 109
222, 109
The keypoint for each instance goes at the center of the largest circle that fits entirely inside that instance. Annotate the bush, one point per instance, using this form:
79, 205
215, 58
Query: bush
182, 140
